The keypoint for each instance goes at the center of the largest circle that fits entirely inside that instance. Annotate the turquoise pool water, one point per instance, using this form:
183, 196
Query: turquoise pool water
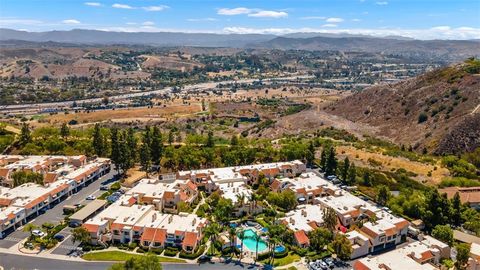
249, 241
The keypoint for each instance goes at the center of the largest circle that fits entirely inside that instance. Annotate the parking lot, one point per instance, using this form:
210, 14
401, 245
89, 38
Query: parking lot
55, 214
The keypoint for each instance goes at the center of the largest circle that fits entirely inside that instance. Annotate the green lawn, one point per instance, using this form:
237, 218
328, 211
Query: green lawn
287, 260
292, 257
118, 256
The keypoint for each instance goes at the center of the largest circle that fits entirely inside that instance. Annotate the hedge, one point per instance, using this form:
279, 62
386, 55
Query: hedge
157, 250
191, 256
170, 252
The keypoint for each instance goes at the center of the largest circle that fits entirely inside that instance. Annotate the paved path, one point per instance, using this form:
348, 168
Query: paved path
44, 262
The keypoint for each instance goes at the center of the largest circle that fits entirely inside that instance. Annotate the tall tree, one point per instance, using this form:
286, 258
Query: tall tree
463, 254
331, 165
443, 233
310, 154
116, 152
437, 209
342, 247
323, 159
457, 209
148, 262
156, 146
81, 235
145, 158
352, 174
366, 179
383, 195
345, 169
234, 140
25, 136
330, 219
210, 139
64, 131
98, 142
319, 238
131, 142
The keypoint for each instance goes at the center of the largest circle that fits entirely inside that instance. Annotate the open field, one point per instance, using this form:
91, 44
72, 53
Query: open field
144, 114
362, 157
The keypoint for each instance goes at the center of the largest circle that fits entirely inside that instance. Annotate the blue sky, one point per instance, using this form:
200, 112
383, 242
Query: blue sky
424, 19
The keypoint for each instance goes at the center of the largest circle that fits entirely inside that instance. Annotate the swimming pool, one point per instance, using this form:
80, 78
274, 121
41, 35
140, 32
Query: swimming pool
249, 241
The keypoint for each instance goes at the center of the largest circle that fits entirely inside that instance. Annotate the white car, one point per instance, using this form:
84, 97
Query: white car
90, 198
38, 233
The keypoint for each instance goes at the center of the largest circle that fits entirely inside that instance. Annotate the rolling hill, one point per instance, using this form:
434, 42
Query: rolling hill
438, 111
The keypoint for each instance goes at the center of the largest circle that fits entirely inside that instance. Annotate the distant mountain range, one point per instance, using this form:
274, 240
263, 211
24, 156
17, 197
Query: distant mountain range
451, 50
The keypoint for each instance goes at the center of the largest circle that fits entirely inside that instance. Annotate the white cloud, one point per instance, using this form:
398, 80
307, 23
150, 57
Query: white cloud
93, 4
131, 23
14, 21
356, 20
203, 20
329, 25
268, 14
156, 8
234, 11
382, 3
148, 23
441, 32
313, 18
122, 6
334, 20
441, 28
71, 21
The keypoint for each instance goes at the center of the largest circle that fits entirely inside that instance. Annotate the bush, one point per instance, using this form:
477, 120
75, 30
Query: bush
170, 252
132, 246
115, 186
422, 118
192, 256
157, 251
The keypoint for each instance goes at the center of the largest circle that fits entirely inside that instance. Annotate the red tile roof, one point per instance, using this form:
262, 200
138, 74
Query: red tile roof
190, 239
91, 228
358, 265
154, 235
301, 237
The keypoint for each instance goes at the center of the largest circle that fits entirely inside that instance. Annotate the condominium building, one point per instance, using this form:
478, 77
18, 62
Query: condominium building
421, 255
62, 177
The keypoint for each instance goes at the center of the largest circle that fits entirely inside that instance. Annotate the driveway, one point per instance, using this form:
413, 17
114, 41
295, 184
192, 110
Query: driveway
55, 214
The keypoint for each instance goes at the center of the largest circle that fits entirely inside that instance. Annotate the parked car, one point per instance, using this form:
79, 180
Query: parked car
204, 259
329, 262
74, 224
90, 198
38, 233
59, 237
104, 187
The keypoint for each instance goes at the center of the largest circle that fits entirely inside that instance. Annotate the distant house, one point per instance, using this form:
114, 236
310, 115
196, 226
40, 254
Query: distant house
470, 195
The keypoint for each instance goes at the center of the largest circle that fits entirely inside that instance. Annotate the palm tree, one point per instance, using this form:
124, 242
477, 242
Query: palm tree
211, 232
242, 235
257, 240
29, 227
232, 236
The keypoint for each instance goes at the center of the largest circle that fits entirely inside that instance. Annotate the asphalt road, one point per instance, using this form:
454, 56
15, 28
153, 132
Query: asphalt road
10, 262
199, 86
55, 214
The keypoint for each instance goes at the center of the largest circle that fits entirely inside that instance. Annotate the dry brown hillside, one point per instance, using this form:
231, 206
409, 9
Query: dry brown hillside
438, 110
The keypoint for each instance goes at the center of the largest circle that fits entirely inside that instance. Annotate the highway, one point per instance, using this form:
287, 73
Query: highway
199, 86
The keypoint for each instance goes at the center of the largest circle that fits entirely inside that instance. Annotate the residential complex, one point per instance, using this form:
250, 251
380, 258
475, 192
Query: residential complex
62, 176
420, 255
470, 195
